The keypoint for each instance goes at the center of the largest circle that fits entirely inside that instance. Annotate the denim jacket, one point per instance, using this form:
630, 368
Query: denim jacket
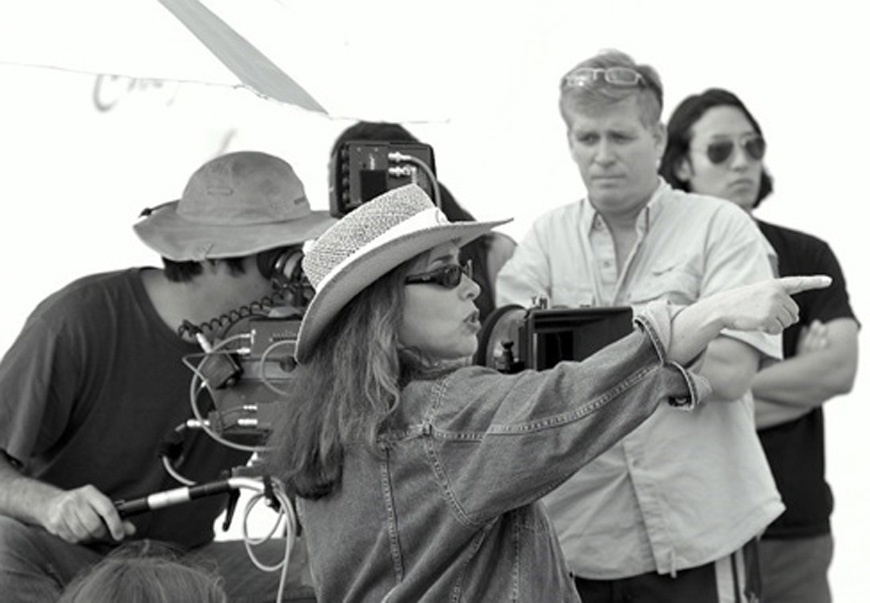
449, 510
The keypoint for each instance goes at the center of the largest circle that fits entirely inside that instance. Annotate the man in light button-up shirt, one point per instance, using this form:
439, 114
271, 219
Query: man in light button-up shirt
670, 512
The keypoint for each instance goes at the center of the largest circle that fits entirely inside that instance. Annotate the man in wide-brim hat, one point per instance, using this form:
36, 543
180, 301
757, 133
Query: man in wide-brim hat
96, 381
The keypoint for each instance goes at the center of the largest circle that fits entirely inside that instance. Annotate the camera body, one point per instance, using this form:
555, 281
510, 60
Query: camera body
245, 373
360, 170
514, 338
245, 409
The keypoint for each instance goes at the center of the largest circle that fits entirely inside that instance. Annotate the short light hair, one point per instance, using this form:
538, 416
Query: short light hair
601, 94
145, 572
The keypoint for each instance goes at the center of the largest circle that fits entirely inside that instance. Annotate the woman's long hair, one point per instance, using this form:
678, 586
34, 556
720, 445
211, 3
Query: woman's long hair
345, 392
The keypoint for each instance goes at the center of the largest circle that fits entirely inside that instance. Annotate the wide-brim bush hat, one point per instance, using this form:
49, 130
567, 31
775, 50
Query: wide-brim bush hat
367, 243
235, 205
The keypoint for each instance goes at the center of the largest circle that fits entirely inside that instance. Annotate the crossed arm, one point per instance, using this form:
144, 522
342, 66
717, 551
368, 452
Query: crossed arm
823, 367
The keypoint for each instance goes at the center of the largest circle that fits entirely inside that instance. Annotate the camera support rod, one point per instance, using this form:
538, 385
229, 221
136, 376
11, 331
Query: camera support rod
176, 496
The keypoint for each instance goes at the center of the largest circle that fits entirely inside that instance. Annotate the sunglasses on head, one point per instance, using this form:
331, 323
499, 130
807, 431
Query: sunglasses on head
721, 151
448, 276
617, 76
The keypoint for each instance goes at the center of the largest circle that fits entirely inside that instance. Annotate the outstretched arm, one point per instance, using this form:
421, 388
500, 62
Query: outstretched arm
81, 515
765, 306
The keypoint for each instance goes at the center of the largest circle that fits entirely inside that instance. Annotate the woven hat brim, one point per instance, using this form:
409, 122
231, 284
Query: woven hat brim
362, 271
179, 239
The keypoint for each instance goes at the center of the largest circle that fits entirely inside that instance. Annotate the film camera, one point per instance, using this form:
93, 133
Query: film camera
237, 384
360, 170
247, 369
514, 338
246, 374
242, 374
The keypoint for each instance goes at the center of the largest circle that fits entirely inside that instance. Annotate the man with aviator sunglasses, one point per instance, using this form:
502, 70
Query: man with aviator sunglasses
672, 512
820, 351
720, 151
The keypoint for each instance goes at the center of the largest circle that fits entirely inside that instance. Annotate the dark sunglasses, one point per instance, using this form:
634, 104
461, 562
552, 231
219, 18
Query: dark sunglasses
721, 150
448, 276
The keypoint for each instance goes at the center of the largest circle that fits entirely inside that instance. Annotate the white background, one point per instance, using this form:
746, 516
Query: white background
478, 81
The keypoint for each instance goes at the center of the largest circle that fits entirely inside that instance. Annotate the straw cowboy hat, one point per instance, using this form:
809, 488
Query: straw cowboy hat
235, 205
366, 244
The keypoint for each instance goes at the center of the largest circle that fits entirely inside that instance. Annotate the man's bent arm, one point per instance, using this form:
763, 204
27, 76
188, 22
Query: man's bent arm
810, 379
80, 515
22, 497
769, 414
729, 365
791, 388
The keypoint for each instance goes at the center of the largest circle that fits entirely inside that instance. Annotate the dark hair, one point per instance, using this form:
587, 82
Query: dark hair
182, 272
680, 125
477, 250
186, 271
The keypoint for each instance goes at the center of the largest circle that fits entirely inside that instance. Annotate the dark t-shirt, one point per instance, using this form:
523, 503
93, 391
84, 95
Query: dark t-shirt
89, 391
796, 450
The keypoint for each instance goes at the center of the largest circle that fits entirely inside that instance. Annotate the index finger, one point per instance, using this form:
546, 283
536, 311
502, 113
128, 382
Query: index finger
796, 284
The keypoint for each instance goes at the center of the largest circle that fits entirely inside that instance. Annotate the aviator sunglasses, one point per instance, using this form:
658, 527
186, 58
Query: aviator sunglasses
448, 276
720, 151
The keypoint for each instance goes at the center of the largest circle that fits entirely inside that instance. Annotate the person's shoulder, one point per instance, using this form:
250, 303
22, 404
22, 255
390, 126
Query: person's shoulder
790, 233
707, 202
499, 249
559, 215
99, 280
707, 209
500, 243
84, 289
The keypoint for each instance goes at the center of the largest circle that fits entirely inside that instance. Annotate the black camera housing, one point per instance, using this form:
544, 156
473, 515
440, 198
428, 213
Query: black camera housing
514, 338
360, 170
246, 408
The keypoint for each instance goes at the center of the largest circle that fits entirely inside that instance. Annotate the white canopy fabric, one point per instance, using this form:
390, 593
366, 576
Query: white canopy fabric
181, 40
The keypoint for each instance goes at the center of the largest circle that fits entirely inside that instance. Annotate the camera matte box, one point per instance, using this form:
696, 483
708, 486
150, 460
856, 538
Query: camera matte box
550, 336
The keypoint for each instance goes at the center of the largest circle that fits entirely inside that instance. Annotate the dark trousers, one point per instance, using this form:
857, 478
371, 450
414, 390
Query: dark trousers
796, 570
735, 578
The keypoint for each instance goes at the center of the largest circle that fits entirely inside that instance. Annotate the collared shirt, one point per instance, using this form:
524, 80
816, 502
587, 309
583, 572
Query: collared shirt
684, 489
450, 511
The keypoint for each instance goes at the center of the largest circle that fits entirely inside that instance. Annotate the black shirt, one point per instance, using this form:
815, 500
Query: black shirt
796, 450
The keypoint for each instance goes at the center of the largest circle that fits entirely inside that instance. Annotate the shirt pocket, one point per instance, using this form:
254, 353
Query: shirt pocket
673, 280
